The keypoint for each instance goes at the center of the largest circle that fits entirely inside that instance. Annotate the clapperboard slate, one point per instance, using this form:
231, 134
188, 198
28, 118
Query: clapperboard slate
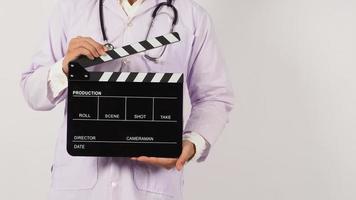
124, 114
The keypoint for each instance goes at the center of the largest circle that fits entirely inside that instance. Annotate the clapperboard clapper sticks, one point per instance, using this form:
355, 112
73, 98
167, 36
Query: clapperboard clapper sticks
124, 114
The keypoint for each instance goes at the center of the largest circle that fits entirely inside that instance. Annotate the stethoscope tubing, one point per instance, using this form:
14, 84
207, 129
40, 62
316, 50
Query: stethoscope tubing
154, 14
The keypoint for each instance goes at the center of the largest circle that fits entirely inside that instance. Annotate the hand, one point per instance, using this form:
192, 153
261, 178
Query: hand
82, 46
188, 152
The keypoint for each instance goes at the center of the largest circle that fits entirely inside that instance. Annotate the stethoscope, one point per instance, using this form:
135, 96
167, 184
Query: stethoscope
154, 14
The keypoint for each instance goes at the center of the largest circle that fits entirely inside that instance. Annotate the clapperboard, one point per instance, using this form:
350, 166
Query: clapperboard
124, 114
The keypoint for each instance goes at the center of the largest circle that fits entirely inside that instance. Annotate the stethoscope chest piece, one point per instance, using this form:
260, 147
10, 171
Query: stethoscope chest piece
109, 46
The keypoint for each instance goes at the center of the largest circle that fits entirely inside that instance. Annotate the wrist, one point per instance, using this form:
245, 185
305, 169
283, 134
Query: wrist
194, 151
192, 148
198, 142
65, 66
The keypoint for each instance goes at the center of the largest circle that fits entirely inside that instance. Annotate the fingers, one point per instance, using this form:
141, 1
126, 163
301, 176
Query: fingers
85, 52
82, 46
167, 163
73, 54
187, 152
183, 158
95, 49
149, 160
98, 47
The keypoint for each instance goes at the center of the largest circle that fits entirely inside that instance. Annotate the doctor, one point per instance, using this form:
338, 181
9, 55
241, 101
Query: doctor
78, 28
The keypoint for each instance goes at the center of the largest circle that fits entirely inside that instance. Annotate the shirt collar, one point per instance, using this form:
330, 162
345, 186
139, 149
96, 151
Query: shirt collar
137, 2
130, 9
146, 5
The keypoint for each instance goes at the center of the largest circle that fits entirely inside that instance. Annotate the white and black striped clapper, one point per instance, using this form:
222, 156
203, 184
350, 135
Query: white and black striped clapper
137, 77
130, 49
125, 114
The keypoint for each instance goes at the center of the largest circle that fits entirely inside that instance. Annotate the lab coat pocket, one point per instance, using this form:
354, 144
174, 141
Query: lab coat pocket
79, 173
152, 179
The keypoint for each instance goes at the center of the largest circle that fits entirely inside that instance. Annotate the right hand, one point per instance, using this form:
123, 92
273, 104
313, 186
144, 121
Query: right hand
82, 46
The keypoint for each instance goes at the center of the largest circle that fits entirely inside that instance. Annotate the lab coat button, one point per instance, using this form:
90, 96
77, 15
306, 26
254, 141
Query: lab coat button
113, 184
129, 24
125, 61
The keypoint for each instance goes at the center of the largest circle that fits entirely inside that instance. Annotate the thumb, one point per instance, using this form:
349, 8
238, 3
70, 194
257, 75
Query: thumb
184, 157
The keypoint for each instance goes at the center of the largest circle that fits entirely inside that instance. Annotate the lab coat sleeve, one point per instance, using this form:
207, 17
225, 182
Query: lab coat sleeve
34, 80
57, 79
199, 143
209, 89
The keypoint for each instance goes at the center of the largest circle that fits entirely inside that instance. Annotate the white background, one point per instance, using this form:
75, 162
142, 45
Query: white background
292, 134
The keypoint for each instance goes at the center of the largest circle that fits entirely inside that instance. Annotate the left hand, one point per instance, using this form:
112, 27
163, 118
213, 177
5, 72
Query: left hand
188, 152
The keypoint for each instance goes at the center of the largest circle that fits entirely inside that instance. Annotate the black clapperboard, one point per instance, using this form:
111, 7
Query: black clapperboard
124, 114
